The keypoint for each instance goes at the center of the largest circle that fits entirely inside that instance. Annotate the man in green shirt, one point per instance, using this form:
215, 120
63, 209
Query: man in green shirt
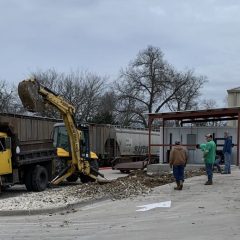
209, 155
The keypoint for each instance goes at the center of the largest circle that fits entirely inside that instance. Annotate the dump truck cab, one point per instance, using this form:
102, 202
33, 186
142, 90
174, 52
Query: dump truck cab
25, 162
5, 154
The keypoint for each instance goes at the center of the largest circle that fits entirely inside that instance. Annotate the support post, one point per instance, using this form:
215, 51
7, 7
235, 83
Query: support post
238, 135
149, 138
163, 131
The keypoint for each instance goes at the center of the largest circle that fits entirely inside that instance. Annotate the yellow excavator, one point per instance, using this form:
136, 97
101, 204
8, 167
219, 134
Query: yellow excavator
36, 97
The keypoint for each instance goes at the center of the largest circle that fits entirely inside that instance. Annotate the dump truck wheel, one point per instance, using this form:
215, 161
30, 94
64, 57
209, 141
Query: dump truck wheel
28, 179
39, 178
72, 178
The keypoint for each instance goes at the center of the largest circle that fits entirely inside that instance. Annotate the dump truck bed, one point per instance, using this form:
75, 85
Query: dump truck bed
35, 152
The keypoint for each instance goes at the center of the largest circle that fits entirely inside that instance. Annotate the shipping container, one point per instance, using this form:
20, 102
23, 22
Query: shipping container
110, 142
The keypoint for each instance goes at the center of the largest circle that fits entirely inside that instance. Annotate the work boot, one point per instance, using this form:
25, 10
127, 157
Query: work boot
209, 182
178, 185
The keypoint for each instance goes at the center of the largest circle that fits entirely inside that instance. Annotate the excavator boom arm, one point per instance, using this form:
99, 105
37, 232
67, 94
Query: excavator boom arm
29, 91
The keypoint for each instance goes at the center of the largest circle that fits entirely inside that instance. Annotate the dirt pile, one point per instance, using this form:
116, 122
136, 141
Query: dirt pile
136, 183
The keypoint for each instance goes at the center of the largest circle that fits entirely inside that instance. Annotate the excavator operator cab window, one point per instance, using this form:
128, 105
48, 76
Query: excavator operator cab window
84, 142
60, 138
2, 144
83, 145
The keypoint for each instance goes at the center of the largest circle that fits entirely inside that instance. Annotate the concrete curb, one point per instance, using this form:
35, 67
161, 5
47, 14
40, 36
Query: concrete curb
68, 207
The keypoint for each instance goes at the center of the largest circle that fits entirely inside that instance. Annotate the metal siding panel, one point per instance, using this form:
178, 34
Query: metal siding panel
22, 130
34, 133
29, 128
135, 141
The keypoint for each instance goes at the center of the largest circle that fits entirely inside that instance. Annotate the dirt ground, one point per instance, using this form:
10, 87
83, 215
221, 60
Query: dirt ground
136, 183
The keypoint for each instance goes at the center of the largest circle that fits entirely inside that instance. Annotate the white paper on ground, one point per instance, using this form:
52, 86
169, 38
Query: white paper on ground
147, 207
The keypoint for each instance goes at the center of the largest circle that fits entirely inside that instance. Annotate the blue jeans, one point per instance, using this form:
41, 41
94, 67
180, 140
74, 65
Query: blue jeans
209, 167
178, 172
227, 162
217, 164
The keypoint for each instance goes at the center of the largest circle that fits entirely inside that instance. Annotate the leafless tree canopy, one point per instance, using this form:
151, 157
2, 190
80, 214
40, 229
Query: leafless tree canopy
81, 89
106, 113
8, 100
210, 104
187, 97
149, 84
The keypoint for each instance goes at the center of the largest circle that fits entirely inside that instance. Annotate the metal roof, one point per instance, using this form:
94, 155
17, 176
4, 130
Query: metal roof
234, 90
207, 114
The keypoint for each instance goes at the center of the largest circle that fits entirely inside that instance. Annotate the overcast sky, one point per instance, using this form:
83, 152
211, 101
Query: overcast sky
103, 36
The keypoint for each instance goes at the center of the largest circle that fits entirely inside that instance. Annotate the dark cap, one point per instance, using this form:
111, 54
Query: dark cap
208, 135
177, 142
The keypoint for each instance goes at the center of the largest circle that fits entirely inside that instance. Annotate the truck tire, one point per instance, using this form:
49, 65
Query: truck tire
72, 178
39, 178
28, 179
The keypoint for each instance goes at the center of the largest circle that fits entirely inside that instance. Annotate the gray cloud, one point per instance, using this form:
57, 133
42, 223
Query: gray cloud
104, 35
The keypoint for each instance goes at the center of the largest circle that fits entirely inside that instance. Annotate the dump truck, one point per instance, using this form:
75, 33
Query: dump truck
29, 162
77, 159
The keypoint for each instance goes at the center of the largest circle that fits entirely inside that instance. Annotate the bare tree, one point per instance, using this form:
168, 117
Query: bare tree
50, 79
106, 109
81, 89
90, 92
186, 97
146, 86
210, 104
7, 99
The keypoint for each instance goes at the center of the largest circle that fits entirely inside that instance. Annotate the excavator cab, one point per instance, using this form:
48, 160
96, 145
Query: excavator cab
62, 143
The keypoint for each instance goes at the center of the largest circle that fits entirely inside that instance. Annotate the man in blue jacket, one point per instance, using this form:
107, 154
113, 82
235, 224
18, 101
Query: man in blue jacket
227, 151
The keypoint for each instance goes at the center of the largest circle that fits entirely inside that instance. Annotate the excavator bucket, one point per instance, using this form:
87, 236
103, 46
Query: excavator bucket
28, 93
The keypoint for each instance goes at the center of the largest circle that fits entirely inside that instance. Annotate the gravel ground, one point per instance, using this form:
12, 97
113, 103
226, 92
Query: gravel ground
136, 183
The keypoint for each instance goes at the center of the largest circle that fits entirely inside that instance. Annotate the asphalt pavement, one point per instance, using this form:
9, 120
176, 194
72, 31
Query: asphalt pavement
197, 212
